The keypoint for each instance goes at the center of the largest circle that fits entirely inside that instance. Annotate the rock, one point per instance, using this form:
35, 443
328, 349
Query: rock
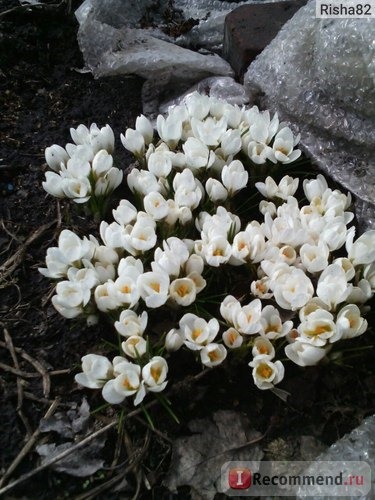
250, 28
319, 74
359, 445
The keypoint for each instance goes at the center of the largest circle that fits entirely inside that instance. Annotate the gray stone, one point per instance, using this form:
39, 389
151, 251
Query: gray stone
250, 28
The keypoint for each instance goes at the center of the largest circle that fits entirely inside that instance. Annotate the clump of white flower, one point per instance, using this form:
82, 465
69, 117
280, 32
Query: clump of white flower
186, 253
84, 171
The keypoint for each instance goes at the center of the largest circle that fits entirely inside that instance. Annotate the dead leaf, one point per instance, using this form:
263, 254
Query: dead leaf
197, 459
82, 463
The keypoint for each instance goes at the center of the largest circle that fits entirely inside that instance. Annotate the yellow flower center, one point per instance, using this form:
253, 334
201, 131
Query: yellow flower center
182, 290
155, 287
127, 385
262, 349
264, 371
213, 355
218, 252
195, 333
155, 372
319, 330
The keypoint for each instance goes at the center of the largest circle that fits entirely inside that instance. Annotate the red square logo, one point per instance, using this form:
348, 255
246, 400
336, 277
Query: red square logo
239, 478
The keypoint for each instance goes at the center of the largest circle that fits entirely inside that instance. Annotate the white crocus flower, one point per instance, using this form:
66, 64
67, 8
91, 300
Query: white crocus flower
263, 347
86, 277
209, 131
55, 156
314, 257
217, 251
160, 163
231, 142
261, 288
109, 182
102, 163
195, 264
318, 328
271, 325
57, 264
361, 293
304, 354
313, 305
130, 323
126, 290
155, 205
315, 188
183, 291
369, 275
258, 152
232, 338
212, 355
349, 322
106, 297
96, 370
334, 234
125, 213
247, 319
153, 288
267, 207
230, 308
286, 187
142, 182
134, 142
249, 245
54, 184
154, 374
69, 299
288, 254
197, 154
79, 189
76, 168
293, 289
174, 340
215, 190
198, 105
127, 383
134, 346
333, 287
283, 146
97, 138
169, 129
266, 374
347, 266
130, 266
142, 236
197, 331
234, 177
144, 126
362, 251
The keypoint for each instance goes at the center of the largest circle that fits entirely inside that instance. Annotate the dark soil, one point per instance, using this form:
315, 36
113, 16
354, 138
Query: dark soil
42, 95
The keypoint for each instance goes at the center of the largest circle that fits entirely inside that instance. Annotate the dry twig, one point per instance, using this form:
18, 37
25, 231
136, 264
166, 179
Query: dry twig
30, 443
99, 432
11, 264
10, 347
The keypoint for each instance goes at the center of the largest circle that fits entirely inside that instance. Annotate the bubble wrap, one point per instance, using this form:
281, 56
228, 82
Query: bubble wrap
359, 445
112, 41
319, 74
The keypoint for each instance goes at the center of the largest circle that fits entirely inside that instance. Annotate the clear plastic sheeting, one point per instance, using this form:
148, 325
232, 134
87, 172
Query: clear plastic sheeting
359, 445
319, 74
221, 87
114, 40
